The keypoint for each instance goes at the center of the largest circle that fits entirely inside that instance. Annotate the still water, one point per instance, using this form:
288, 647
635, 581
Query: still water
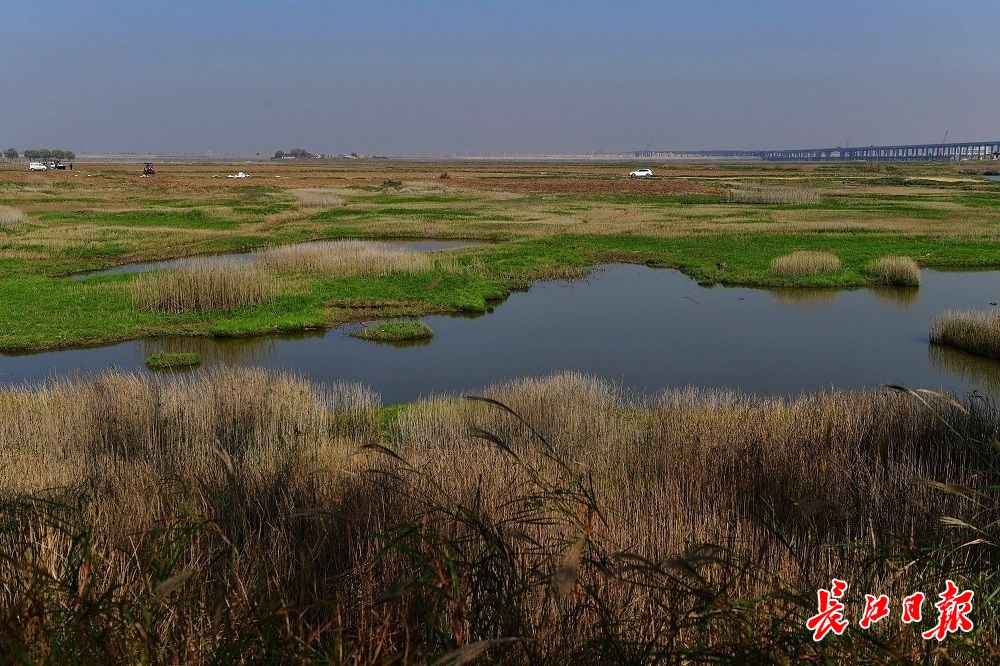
647, 329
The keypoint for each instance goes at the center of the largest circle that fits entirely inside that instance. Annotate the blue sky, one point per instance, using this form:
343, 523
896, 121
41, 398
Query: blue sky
493, 77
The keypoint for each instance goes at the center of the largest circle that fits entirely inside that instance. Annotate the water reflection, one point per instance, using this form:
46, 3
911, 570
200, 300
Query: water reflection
401, 344
804, 297
220, 351
901, 297
970, 368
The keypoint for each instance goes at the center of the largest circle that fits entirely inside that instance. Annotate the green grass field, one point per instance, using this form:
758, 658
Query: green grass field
541, 222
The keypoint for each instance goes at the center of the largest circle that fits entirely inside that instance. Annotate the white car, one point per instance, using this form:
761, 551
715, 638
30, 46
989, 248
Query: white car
37, 166
239, 175
641, 173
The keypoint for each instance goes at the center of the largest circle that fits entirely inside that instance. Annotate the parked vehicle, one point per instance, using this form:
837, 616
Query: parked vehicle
37, 166
641, 173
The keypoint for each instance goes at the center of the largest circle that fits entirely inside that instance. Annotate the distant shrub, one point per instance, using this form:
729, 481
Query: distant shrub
974, 331
894, 270
203, 286
756, 194
802, 263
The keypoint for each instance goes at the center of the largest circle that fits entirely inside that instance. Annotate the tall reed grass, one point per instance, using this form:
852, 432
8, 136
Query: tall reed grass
759, 194
805, 262
203, 286
11, 218
248, 515
895, 270
974, 331
254, 516
344, 258
317, 197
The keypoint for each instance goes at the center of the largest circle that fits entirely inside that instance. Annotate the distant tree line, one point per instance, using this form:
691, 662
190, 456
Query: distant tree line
294, 152
43, 154
10, 154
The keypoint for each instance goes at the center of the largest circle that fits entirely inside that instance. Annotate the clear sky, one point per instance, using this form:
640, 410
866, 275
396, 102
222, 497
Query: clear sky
493, 77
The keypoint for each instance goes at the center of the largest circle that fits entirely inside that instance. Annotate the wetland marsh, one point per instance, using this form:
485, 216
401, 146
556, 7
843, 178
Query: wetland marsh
645, 329
691, 434
99, 258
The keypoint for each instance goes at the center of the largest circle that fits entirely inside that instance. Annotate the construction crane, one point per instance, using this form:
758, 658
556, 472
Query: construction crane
940, 151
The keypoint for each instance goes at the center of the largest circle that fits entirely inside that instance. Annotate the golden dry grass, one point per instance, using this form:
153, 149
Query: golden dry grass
273, 464
894, 270
202, 286
760, 194
318, 197
120, 421
344, 258
11, 218
805, 263
975, 331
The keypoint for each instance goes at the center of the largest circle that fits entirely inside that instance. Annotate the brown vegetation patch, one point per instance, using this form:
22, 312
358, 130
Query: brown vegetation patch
756, 194
805, 262
894, 270
11, 218
344, 258
198, 505
576, 185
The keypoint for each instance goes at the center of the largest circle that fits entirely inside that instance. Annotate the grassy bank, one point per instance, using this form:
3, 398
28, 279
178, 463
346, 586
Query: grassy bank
172, 360
246, 515
45, 312
398, 331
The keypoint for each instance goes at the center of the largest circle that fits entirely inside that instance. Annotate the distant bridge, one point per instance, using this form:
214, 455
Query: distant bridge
972, 150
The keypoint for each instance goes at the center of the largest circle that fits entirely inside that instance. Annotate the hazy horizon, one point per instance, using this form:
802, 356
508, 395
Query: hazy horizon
480, 78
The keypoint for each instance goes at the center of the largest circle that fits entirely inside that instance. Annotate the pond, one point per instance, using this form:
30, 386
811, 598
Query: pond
645, 328
247, 257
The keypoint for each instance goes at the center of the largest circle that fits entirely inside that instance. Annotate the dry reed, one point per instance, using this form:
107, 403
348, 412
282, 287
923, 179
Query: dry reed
203, 286
895, 270
11, 218
974, 331
264, 461
805, 263
337, 258
758, 194
317, 197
